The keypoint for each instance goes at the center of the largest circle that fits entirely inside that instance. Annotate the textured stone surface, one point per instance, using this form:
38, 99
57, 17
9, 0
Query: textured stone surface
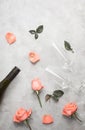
62, 20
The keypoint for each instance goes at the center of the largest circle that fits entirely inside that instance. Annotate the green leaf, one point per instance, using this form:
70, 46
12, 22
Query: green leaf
58, 93
32, 31
55, 98
68, 46
39, 29
36, 36
47, 97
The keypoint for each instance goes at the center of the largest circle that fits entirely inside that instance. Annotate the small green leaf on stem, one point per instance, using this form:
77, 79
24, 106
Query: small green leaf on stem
47, 97
68, 46
39, 29
55, 98
58, 93
32, 31
36, 36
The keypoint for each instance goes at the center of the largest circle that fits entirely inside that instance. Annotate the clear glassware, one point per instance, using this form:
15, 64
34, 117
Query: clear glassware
82, 86
60, 80
81, 111
72, 66
67, 62
78, 75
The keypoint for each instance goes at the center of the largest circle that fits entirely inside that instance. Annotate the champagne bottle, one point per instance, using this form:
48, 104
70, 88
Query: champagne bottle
7, 80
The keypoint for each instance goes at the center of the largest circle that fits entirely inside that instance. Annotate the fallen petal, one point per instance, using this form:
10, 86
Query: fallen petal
47, 119
34, 57
10, 37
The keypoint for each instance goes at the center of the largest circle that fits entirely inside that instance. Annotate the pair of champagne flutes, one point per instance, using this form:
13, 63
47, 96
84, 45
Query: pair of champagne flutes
70, 67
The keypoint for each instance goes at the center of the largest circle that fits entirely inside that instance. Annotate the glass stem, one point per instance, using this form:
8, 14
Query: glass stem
55, 74
61, 54
26, 122
38, 98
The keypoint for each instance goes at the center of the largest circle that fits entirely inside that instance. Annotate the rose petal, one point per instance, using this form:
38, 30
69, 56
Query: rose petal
34, 57
15, 119
24, 117
10, 37
29, 112
68, 113
20, 112
47, 119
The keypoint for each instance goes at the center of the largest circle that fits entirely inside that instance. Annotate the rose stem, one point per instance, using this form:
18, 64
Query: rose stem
76, 117
38, 98
26, 122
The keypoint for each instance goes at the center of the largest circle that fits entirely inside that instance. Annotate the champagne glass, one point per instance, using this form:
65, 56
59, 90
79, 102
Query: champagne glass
60, 80
67, 62
82, 86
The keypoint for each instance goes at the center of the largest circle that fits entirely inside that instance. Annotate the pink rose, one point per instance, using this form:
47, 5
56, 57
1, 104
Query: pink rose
36, 84
69, 109
22, 115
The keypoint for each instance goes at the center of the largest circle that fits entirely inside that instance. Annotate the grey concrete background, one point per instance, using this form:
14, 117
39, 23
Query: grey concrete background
62, 20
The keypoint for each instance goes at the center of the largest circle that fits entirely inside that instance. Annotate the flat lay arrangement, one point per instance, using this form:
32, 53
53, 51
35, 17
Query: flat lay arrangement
42, 66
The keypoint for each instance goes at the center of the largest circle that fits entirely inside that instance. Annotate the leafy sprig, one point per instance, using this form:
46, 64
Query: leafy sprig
37, 31
55, 96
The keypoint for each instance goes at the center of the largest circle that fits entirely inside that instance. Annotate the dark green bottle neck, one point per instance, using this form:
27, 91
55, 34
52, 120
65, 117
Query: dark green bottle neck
12, 74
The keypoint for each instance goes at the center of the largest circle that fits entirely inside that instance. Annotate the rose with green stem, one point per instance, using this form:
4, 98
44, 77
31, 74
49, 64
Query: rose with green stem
70, 110
37, 87
23, 115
